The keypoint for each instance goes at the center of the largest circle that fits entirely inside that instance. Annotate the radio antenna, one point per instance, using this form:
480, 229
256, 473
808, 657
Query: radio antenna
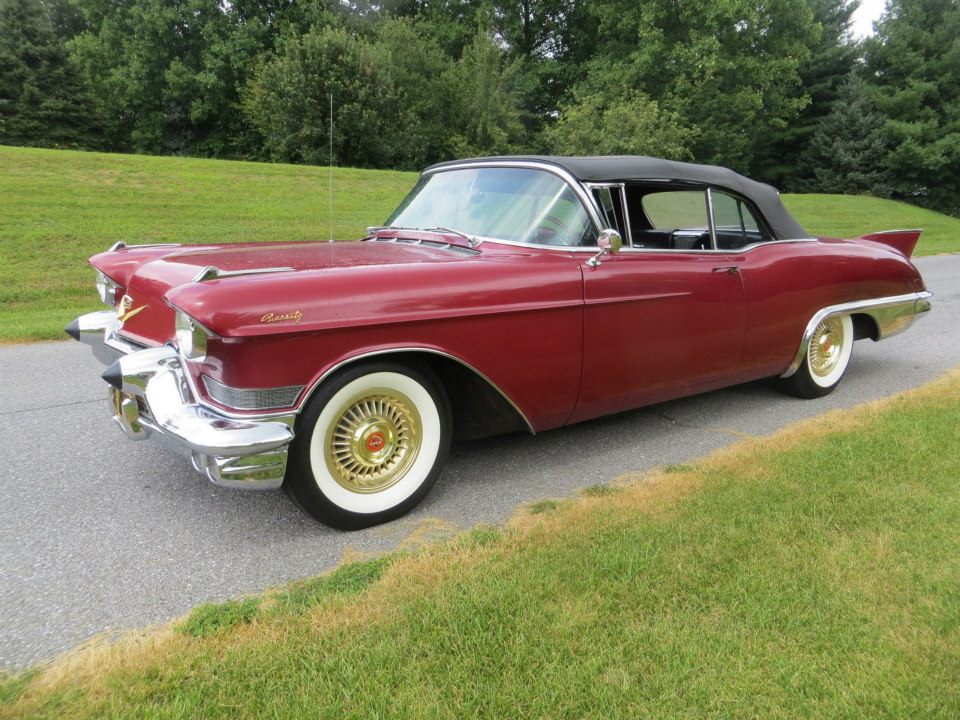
330, 182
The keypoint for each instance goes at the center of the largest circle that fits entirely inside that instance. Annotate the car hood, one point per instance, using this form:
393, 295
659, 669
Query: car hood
149, 274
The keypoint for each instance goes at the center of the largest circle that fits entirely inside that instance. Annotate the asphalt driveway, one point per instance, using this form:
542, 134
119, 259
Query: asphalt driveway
100, 534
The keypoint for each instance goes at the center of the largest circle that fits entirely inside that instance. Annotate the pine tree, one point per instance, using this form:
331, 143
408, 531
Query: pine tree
831, 61
847, 150
42, 100
913, 65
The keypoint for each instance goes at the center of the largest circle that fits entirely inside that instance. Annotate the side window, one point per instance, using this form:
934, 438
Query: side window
610, 200
677, 218
735, 223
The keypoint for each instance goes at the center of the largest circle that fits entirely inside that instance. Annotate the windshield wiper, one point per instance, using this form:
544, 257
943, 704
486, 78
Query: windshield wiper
469, 238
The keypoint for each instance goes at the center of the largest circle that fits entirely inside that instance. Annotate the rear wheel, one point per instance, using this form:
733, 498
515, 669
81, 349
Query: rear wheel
825, 360
370, 445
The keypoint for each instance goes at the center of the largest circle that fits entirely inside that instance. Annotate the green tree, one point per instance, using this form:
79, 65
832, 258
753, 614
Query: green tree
832, 58
728, 68
847, 150
42, 99
632, 126
484, 114
168, 72
913, 69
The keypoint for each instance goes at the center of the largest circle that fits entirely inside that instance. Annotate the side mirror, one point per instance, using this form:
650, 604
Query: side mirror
609, 241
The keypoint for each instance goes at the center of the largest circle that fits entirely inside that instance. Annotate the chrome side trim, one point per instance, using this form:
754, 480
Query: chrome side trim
392, 351
738, 251
892, 314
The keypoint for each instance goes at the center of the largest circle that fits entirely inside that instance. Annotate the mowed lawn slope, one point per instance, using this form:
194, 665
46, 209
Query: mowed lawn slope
814, 573
58, 207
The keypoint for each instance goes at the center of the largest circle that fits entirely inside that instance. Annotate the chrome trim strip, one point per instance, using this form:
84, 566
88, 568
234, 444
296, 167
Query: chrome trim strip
710, 223
392, 351
211, 272
892, 314
738, 251
121, 245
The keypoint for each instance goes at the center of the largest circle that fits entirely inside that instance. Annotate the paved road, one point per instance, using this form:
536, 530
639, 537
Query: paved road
98, 533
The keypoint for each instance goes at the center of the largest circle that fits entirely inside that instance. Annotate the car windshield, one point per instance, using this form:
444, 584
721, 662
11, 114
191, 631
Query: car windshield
518, 204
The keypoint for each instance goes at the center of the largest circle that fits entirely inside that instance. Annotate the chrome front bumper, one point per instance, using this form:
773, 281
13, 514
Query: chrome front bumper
151, 396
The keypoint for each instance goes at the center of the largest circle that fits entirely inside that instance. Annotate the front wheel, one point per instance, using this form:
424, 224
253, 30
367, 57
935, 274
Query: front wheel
369, 445
825, 360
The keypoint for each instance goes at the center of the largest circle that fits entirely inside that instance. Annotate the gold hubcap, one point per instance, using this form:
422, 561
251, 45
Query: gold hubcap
373, 440
826, 346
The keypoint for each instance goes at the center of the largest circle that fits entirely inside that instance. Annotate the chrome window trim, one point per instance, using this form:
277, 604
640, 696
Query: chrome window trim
578, 188
911, 304
738, 251
623, 201
710, 222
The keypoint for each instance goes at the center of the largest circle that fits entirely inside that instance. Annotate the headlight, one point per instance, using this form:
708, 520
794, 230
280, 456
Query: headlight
191, 337
107, 289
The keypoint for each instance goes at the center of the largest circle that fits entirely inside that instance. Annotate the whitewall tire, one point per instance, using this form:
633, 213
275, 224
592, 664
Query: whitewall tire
370, 444
825, 359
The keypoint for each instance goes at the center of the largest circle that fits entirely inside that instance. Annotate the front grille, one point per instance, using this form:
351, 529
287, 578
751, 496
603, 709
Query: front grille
251, 398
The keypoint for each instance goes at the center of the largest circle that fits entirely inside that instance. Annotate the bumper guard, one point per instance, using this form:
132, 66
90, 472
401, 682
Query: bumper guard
151, 397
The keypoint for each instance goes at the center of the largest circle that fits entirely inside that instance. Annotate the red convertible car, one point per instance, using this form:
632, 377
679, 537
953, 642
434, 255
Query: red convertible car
503, 294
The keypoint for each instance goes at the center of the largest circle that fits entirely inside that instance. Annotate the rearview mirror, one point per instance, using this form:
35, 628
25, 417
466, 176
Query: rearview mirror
609, 242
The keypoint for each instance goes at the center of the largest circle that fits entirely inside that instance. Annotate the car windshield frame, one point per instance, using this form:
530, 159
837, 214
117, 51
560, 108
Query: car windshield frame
567, 182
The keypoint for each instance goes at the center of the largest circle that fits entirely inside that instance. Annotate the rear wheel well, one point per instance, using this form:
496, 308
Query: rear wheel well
864, 326
478, 408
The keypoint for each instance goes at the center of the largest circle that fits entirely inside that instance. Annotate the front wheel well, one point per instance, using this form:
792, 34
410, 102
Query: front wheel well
479, 409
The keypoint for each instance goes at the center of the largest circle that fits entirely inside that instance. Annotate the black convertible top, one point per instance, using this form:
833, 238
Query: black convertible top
627, 168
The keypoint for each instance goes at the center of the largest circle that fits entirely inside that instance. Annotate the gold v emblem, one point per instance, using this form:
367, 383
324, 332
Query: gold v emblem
127, 315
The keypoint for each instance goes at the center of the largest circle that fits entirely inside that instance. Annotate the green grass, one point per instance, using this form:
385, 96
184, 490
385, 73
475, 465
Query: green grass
58, 207
854, 215
812, 574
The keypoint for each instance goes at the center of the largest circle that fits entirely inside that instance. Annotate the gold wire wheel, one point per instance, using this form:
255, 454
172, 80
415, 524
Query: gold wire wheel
826, 346
373, 440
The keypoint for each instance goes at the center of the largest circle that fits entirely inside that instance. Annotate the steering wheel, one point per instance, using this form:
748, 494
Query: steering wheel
550, 235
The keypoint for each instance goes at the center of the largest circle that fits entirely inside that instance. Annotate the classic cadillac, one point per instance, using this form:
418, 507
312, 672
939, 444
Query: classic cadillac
503, 294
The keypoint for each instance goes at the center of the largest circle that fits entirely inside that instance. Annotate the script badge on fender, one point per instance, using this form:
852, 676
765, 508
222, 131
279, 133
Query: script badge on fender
292, 316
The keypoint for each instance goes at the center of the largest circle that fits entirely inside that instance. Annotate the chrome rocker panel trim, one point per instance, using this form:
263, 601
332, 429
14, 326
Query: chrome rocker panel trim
892, 314
151, 398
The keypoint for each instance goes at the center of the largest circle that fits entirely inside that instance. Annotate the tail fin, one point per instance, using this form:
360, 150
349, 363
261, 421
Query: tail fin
903, 241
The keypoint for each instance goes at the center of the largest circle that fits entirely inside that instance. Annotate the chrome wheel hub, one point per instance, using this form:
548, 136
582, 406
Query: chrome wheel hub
826, 346
373, 440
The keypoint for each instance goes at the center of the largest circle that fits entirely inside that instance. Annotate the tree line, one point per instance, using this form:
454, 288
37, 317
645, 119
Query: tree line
776, 89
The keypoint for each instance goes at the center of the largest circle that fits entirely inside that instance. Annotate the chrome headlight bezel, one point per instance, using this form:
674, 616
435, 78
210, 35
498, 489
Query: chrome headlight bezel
190, 337
108, 289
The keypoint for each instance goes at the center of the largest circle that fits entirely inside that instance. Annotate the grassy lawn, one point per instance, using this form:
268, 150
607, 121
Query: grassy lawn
57, 208
853, 215
815, 573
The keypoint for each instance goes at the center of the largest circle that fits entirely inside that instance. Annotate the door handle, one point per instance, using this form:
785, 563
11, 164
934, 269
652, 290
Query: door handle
732, 269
